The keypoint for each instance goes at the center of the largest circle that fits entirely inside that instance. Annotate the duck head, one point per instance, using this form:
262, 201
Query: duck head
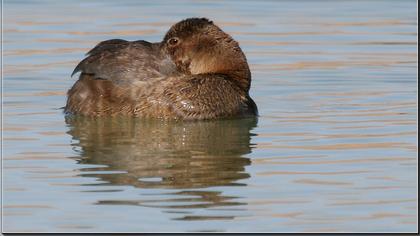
197, 46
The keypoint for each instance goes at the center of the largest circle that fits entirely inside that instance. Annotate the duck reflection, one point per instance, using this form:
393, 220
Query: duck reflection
165, 154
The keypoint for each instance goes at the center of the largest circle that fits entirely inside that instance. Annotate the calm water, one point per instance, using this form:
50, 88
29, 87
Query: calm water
335, 147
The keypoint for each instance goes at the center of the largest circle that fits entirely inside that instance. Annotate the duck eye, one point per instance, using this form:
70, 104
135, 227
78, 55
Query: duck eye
173, 41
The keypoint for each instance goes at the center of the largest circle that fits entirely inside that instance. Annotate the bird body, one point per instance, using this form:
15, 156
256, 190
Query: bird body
197, 72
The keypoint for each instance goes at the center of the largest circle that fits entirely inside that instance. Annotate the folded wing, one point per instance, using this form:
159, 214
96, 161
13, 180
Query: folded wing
122, 61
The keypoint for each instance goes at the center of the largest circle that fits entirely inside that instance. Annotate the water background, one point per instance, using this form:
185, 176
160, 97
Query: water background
334, 148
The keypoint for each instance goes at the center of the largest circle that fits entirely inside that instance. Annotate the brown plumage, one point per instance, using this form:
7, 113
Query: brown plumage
196, 72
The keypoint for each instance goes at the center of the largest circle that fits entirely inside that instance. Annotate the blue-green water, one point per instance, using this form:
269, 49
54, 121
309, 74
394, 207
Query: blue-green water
335, 147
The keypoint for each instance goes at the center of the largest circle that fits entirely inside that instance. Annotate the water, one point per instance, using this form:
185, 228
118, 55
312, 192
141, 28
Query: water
335, 147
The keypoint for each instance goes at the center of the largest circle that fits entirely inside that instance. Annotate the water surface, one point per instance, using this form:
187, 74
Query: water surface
335, 147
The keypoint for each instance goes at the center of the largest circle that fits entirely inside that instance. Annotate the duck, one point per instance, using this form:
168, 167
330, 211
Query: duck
197, 72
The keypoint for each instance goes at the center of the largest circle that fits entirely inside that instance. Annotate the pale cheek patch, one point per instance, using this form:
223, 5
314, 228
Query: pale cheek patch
203, 66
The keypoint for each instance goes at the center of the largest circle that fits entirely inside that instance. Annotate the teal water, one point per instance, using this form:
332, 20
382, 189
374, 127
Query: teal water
334, 149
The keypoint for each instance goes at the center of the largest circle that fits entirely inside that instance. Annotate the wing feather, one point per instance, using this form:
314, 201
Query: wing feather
122, 61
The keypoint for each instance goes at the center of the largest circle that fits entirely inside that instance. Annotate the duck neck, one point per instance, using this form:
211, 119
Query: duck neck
232, 65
